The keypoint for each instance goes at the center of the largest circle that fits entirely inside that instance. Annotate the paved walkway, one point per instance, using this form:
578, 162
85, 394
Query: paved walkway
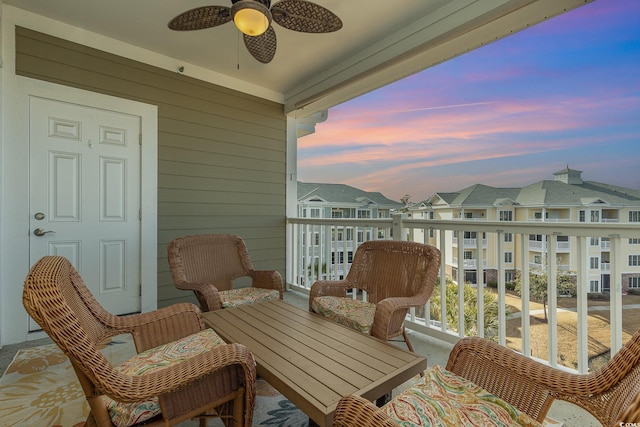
573, 309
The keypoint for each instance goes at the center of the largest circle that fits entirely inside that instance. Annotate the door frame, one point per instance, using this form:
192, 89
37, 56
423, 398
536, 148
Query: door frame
14, 187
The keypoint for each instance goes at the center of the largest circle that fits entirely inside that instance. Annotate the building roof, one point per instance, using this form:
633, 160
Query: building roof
344, 194
558, 192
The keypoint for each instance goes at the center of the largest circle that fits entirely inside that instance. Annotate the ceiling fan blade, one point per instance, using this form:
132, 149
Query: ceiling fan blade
304, 16
200, 18
262, 47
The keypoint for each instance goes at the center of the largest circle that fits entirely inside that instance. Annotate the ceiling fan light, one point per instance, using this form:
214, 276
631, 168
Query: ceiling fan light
251, 18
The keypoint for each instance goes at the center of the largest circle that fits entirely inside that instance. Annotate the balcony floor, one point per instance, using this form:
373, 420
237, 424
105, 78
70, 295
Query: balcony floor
436, 351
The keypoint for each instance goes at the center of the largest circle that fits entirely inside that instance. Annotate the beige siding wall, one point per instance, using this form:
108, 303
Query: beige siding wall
221, 153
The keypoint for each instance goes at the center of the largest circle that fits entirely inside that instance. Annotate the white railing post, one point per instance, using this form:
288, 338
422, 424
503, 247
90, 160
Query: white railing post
582, 305
479, 286
552, 297
502, 300
616, 294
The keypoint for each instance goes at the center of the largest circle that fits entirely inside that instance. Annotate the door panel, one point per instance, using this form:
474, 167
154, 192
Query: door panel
84, 195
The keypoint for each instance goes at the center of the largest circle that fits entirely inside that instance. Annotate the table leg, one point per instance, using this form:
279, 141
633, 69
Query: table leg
381, 401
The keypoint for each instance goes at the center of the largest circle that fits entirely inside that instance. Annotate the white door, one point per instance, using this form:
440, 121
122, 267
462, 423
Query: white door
84, 196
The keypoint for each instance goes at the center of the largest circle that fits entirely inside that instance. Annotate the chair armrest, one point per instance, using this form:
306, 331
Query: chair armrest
161, 326
134, 388
267, 279
390, 315
356, 411
528, 385
334, 288
206, 293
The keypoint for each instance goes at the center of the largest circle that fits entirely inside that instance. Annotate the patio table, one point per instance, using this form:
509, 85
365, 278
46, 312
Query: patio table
312, 361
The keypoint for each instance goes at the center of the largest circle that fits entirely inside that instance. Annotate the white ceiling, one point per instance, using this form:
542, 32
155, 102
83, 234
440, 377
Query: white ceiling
380, 42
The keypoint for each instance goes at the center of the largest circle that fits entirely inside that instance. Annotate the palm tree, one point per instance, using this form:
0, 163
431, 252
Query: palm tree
470, 309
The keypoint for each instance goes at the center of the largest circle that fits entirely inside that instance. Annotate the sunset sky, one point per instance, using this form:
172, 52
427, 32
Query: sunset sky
565, 92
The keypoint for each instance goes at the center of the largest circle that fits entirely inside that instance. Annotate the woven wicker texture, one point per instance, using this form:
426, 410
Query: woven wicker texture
610, 394
200, 18
262, 47
208, 263
220, 382
396, 275
304, 16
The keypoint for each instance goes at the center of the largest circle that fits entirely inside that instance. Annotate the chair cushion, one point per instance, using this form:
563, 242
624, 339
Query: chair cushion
242, 296
355, 314
441, 398
152, 360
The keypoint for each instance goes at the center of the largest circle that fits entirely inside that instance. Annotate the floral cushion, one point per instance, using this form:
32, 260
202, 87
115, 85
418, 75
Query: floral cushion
152, 360
242, 296
350, 312
445, 399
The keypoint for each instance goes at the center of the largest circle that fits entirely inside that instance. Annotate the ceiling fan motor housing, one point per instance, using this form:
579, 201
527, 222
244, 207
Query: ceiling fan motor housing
266, 3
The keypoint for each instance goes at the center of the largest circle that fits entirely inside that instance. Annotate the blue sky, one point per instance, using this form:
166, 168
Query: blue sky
564, 92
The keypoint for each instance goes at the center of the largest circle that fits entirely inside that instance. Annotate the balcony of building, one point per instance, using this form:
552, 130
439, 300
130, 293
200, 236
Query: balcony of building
520, 336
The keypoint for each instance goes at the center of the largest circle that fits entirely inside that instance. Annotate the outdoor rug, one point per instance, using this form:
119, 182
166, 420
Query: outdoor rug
40, 388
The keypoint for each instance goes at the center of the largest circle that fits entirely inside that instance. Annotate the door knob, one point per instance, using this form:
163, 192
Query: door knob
40, 232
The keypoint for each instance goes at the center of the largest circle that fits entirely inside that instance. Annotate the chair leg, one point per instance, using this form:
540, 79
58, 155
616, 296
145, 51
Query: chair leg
408, 342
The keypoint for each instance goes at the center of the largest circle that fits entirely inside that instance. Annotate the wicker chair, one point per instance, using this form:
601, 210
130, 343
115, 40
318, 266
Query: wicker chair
396, 275
610, 394
207, 264
218, 381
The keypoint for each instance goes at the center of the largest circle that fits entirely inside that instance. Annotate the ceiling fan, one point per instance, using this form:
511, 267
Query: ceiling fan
253, 18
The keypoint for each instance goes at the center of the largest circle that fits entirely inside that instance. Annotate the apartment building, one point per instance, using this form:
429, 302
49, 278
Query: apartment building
330, 251
567, 198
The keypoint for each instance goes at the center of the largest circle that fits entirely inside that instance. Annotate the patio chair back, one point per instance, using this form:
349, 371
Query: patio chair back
391, 268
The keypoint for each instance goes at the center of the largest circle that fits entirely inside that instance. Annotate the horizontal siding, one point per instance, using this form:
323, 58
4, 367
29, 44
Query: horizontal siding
221, 153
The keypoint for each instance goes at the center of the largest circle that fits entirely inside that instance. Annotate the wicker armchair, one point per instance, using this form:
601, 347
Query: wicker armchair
207, 264
396, 275
218, 381
610, 394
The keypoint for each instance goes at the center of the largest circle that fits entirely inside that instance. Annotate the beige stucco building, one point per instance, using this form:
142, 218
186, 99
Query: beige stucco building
565, 199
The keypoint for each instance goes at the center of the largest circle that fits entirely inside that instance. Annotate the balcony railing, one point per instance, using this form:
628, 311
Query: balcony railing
312, 246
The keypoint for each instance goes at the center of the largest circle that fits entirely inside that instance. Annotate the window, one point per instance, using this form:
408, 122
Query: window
634, 216
431, 233
363, 213
508, 257
350, 257
594, 286
468, 255
595, 241
508, 276
634, 241
508, 237
506, 216
582, 216
431, 215
594, 262
312, 212
634, 282
336, 213
537, 259
634, 260
339, 257
595, 216
316, 238
349, 234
